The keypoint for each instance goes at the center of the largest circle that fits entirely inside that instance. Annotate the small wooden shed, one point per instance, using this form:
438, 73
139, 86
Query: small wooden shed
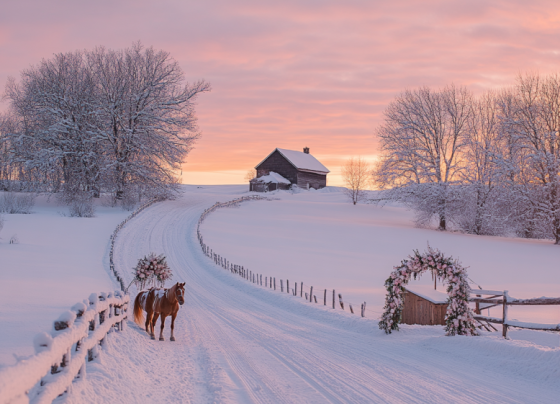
423, 305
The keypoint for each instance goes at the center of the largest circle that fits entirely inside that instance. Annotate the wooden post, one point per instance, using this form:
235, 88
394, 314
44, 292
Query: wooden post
351, 310
281, 286
325, 298
301, 290
287, 286
340, 300
505, 312
364, 309
261, 280
266, 282
311, 294
333, 305
274, 283
315, 297
295, 289
306, 296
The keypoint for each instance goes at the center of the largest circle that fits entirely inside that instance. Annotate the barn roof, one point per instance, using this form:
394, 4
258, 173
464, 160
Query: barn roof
301, 161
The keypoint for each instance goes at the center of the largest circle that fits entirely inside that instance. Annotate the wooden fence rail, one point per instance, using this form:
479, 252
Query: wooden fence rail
492, 298
61, 356
269, 282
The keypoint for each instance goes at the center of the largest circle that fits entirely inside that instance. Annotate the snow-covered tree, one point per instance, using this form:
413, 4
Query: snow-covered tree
356, 174
532, 158
421, 141
480, 203
118, 121
146, 115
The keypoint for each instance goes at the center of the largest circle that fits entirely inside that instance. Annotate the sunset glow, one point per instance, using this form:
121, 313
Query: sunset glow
297, 73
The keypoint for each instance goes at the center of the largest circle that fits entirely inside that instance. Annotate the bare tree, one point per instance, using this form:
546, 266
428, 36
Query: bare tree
250, 175
421, 143
480, 210
356, 174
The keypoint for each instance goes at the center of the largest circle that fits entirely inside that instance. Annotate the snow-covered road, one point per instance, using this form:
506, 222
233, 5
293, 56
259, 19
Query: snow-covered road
240, 343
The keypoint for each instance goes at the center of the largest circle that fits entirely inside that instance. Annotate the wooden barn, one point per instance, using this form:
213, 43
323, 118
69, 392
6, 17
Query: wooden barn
424, 306
299, 168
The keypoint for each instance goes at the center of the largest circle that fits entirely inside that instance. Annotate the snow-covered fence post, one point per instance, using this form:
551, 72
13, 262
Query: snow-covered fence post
333, 299
340, 300
287, 286
325, 298
351, 309
311, 294
295, 288
281, 286
274, 283
301, 290
505, 313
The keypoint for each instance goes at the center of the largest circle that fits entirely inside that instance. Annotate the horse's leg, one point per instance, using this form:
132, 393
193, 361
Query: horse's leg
173, 325
148, 321
162, 325
153, 324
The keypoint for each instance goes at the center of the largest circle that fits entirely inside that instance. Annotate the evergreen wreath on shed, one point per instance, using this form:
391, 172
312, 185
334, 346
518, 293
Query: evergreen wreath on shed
459, 318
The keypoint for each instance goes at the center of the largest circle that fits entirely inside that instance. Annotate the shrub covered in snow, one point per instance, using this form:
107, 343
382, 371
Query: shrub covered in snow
12, 202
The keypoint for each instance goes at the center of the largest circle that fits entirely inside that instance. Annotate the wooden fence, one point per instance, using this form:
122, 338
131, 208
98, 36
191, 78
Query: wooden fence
61, 356
292, 288
485, 299
115, 234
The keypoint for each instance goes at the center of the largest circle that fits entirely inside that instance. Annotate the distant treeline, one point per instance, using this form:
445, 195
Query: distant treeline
484, 165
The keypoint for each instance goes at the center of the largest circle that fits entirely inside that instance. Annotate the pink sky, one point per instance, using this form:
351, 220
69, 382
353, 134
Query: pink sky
290, 74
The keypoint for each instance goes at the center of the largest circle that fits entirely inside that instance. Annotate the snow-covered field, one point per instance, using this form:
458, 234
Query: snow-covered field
59, 261
321, 239
240, 343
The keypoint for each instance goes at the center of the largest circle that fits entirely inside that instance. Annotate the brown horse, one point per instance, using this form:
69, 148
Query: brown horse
156, 302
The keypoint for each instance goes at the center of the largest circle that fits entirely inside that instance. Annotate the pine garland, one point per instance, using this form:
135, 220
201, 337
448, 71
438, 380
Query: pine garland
459, 316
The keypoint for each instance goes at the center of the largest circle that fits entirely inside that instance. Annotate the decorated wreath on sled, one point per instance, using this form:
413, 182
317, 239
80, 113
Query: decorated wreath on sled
152, 270
459, 316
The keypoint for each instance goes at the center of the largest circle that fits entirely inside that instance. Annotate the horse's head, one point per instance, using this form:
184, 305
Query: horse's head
180, 292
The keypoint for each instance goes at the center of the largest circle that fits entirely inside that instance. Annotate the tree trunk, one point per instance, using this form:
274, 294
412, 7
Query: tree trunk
442, 222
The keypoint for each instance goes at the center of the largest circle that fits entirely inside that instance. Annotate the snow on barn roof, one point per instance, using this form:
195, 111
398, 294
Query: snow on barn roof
273, 177
428, 293
301, 161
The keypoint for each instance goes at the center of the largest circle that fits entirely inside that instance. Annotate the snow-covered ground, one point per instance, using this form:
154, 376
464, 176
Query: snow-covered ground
321, 239
59, 261
241, 343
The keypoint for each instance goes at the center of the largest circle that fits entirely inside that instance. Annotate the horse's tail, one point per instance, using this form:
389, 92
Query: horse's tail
138, 315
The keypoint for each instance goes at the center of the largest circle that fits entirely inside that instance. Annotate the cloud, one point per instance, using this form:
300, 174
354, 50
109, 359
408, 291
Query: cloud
297, 72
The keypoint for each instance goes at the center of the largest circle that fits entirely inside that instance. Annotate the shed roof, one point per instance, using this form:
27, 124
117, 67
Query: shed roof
272, 177
301, 161
428, 293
